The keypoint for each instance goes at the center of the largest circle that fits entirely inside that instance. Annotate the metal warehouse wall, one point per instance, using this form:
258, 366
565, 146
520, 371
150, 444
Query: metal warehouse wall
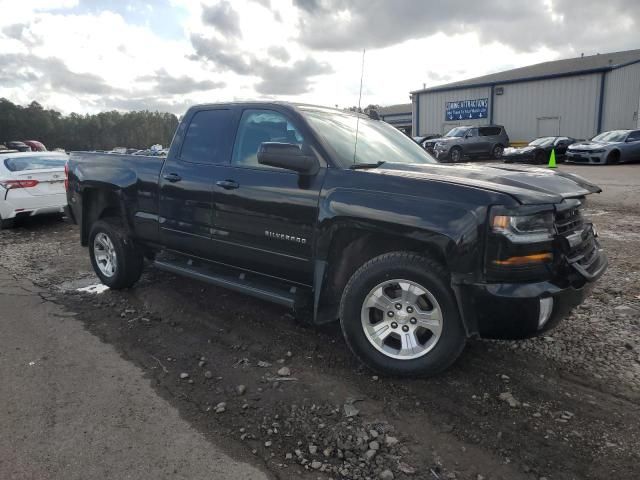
561, 106
432, 109
621, 98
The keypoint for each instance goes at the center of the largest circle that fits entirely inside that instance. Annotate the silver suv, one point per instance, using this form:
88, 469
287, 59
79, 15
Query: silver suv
471, 141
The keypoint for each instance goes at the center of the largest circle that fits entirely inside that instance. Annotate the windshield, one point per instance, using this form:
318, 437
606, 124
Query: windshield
612, 136
377, 140
542, 142
33, 162
457, 132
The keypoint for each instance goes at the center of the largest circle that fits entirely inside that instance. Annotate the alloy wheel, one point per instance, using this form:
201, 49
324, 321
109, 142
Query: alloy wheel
401, 319
105, 254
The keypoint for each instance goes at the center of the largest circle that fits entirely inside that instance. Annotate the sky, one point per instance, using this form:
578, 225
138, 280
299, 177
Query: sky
88, 56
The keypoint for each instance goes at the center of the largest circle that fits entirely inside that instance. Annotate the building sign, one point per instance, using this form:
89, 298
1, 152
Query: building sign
467, 109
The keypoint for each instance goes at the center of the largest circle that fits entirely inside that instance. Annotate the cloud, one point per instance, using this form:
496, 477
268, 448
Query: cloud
53, 73
274, 79
223, 18
279, 53
289, 80
225, 57
167, 84
357, 24
264, 3
21, 33
137, 103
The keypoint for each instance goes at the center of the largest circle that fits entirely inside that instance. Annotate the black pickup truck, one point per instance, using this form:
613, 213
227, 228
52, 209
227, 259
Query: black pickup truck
341, 217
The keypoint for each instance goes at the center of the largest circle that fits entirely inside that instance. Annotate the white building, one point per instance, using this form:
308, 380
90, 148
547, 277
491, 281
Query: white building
577, 97
397, 115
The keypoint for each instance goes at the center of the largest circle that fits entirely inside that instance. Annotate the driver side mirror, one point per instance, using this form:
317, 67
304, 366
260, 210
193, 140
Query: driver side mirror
288, 156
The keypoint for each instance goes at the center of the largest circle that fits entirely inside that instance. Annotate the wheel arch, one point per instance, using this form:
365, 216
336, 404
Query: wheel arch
350, 247
98, 203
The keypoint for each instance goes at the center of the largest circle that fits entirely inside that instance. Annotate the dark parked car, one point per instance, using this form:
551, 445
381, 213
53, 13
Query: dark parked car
471, 141
616, 146
538, 150
427, 141
19, 146
277, 201
35, 145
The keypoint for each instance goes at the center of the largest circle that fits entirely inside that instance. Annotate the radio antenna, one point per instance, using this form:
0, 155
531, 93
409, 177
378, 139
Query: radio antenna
355, 146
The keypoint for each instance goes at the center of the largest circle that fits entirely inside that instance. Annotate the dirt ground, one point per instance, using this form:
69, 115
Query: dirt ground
564, 406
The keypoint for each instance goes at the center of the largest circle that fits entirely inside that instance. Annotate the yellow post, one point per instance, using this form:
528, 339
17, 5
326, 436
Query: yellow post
552, 159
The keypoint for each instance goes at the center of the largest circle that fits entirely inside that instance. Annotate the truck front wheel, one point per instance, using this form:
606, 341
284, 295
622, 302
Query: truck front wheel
399, 316
114, 256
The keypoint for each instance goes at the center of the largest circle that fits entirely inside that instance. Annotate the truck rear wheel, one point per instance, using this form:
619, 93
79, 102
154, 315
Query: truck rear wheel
399, 316
114, 256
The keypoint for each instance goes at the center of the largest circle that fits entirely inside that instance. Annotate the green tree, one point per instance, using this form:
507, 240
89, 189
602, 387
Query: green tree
102, 131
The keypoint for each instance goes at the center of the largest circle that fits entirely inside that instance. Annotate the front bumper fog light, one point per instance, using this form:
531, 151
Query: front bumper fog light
546, 308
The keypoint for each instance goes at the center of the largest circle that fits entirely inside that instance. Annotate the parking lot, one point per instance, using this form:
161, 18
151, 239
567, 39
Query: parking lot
562, 406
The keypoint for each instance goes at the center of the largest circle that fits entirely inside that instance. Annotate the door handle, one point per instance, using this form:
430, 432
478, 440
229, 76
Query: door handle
227, 184
172, 177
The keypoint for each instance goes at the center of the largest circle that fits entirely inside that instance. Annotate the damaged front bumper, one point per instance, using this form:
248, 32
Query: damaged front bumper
522, 310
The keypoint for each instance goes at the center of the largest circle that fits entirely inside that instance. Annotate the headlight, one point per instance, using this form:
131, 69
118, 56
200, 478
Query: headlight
600, 150
533, 228
520, 243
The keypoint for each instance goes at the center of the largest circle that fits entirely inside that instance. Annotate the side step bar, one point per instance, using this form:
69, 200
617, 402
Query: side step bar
228, 278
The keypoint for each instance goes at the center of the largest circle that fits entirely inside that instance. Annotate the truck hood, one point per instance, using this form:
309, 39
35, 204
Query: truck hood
591, 145
528, 185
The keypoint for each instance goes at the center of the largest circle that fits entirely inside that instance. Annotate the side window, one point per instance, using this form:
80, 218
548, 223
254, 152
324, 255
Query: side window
207, 139
258, 126
489, 131
634, 136
472, 132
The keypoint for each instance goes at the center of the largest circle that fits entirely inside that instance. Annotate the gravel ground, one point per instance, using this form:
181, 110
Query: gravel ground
564, 406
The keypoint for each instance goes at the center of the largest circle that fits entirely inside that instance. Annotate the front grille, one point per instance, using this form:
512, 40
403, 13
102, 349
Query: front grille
570, 220
586, 152
583, 250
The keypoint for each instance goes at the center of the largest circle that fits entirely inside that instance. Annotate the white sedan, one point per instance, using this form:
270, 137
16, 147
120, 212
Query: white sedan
31, 183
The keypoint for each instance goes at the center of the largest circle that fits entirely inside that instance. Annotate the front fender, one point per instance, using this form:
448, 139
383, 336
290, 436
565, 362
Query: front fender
451, 228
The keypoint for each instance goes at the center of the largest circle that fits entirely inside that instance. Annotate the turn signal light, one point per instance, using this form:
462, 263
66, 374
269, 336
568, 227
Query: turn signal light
12, 184
525, 260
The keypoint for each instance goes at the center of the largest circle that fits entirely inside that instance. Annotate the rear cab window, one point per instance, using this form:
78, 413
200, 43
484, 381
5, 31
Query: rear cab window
208, 137
19, 164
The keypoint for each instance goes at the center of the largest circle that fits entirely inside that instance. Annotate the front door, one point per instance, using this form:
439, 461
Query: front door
187, 179
265, 216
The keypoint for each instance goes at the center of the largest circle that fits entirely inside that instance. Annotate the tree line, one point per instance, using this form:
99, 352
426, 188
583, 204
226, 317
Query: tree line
102, 131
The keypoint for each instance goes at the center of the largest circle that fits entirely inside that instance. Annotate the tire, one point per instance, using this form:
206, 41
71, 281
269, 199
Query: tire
455, 155
108, 238
7, 223
435, 349
497, 151
613, 158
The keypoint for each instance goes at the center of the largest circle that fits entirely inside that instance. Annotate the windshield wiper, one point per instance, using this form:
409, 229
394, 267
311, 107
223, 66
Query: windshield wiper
362, 166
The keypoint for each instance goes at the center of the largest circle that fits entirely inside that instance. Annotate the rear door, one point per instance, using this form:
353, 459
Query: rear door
487, 137
265, 216
187, 177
